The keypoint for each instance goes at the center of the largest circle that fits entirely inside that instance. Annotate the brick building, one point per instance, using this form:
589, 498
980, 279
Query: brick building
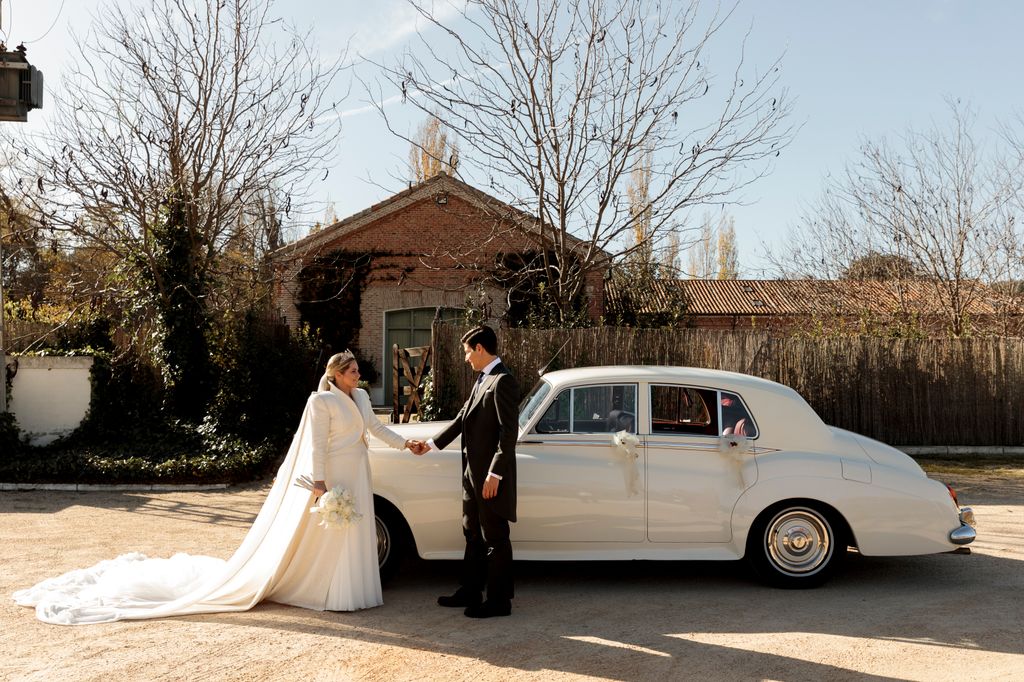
434, 250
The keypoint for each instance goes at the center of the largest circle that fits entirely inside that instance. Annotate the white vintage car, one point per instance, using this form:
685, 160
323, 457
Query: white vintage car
678, 463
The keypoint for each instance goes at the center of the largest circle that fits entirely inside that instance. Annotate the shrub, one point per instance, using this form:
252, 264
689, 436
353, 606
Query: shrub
265, 376
129, 435
210, 460
438, 403
10, 435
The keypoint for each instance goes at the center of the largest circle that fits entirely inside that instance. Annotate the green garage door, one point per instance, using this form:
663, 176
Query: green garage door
408, 328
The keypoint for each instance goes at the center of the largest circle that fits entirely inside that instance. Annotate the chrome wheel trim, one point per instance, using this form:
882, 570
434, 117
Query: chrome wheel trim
798, 542
383, 542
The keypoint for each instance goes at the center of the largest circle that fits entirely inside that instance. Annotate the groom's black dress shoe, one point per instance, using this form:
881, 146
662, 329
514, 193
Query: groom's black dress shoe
490, 609
461, 599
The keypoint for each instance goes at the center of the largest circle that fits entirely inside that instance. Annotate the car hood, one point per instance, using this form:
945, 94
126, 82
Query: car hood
418, 430
880, 453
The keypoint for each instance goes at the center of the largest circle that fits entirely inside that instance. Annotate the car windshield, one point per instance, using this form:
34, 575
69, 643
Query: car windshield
532, 401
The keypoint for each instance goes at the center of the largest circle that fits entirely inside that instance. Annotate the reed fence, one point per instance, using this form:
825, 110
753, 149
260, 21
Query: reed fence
21, 335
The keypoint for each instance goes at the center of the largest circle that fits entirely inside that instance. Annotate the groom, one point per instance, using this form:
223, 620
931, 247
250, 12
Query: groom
489, 424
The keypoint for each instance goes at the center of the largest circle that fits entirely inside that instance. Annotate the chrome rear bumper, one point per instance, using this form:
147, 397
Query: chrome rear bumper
965, 534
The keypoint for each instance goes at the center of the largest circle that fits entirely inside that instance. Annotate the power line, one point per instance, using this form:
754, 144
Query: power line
55, 20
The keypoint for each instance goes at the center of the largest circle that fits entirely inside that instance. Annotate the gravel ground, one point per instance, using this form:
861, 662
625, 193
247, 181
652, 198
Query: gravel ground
945, 617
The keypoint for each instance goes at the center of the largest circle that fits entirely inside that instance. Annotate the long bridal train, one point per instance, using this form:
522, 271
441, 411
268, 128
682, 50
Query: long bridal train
284, 557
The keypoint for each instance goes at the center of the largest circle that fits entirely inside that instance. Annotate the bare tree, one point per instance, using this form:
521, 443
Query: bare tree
714, 254
432, 152
702, 254
1011, 241
938, 204
670, 257
24, 267
728, 249
557, 101
640, 261
650, 256
180, 121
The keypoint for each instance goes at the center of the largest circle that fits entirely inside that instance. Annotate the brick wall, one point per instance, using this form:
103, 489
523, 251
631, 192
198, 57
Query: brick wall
441, 246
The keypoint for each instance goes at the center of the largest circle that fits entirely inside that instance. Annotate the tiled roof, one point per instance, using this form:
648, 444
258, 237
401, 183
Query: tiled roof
791, 297
432, 186
331, 232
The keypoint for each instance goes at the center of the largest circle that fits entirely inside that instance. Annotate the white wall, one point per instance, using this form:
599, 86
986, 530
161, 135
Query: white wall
50, 395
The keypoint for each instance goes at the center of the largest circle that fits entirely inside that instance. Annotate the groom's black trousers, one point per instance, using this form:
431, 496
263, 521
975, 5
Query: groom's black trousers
488, 558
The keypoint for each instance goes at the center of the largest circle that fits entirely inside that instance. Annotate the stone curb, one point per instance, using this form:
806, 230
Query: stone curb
963, 450
118, 487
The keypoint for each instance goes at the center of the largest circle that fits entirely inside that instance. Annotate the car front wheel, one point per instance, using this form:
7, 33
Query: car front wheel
795, 546
392, 539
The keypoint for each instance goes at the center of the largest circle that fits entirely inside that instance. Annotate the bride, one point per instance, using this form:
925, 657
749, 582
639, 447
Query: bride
285, 557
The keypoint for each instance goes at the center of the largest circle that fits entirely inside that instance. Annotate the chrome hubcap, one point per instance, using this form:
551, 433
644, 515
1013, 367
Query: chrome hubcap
383, 542
799, 541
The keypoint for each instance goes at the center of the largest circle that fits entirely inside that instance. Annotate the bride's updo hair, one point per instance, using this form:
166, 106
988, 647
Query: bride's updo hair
338, 362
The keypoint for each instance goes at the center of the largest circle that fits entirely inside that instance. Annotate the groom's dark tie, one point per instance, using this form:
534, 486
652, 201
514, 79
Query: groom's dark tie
479, 380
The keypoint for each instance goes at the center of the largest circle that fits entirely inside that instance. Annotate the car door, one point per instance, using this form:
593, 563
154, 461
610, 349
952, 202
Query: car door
693, 484
574, 483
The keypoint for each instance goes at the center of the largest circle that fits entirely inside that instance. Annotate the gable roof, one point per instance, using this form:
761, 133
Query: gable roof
437, 185
799, 297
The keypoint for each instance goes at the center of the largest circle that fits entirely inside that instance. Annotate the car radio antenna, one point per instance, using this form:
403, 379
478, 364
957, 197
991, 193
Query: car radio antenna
542, 370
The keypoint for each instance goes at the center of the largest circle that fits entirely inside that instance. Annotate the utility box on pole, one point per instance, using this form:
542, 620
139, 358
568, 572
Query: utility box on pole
21, 90
21, 86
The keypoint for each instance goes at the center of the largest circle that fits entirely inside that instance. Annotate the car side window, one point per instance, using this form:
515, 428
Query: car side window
591, 409
736, 419
604, 409
684, 410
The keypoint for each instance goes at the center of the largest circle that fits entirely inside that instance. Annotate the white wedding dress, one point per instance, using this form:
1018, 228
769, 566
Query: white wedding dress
285, 557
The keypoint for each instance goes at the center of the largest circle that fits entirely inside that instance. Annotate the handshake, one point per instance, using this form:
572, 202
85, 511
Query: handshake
417, 447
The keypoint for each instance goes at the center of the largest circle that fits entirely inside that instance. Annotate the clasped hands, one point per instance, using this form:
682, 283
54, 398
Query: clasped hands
417, 447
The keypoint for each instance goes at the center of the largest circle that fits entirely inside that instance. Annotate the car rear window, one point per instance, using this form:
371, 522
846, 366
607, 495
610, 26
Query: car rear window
736, 420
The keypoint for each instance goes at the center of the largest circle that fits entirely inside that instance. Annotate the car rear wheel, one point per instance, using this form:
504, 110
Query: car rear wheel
795, 545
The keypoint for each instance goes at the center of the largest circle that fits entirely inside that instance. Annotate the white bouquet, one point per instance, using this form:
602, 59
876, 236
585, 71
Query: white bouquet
626, 442
736, 445
336, 508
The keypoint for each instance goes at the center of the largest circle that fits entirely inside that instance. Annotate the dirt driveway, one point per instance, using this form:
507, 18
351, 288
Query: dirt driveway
947, 617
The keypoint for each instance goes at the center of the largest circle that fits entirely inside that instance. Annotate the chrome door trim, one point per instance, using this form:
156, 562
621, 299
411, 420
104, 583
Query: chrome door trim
561, 441
711, 446
701, 447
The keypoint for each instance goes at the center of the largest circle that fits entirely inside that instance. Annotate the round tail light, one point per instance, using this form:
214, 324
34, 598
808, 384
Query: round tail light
952, 493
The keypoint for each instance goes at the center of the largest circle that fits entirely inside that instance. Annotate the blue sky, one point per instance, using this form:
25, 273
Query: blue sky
861, 69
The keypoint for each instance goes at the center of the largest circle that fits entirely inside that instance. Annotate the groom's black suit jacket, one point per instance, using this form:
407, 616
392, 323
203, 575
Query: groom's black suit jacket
489, 424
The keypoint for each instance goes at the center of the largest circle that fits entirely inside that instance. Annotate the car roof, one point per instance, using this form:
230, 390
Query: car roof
699, 376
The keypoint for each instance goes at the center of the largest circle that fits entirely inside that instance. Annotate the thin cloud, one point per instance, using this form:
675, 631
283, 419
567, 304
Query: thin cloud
371, 107
396, 24
388, 101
